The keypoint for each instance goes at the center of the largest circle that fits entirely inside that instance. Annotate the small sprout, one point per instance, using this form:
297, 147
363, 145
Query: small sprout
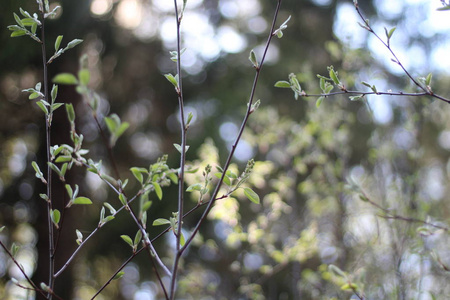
58, 42
253, 60
119, 275
279, 31
178, 147
79, 237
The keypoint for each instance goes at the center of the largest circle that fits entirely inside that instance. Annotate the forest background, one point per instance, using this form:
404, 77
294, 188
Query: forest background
360, 186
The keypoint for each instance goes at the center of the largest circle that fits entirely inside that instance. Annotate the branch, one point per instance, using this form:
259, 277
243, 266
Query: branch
35, 288
178, 233
427, 90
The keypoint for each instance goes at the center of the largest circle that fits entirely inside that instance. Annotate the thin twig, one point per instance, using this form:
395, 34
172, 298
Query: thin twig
49, 170
35, 288
427, 90
183, 130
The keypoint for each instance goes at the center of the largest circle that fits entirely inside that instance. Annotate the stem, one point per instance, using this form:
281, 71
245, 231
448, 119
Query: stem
51, 242
182, 159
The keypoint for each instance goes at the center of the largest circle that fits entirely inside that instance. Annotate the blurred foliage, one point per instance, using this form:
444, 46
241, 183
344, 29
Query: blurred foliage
351, 204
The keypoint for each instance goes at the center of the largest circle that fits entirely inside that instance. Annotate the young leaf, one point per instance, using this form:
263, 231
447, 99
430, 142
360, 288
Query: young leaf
251, 195
65, 78
428, 79
178, 147
194, 187
112, 210
55, 215
137, 174
282, 84
73, 43
158, 190
137, 237
82, 200
172, 79
84, 76
123, 199
58, 42
319, 101
70, 112
79, 239
160, 221
118, 275
54, 92
128, 240
252, 58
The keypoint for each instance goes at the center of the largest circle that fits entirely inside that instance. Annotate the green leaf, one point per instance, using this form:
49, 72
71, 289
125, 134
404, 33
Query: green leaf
282, 84
65, 78
73, 43
252, 58
118, 275
194, 187
349, 287
111, 123
58, 42
70, 112
14, 249
146, 206
182, 240
34, 95
172, 79
82, 200
226, 179
54, 92
173, 177
137, 174
84, 76
137, 237
444, 8
36, 168
69, 191
391, 32
158, 190
189, 118
319, 101
123, 199
178, 147
428, 79
55, 215
333, 75
42, 106
18, 21
128, 240
18, 33
1, 228
124, 126
251, 195
112, 210
161, 221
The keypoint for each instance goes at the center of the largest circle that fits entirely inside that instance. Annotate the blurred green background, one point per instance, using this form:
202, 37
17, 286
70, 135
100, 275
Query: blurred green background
395, 148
